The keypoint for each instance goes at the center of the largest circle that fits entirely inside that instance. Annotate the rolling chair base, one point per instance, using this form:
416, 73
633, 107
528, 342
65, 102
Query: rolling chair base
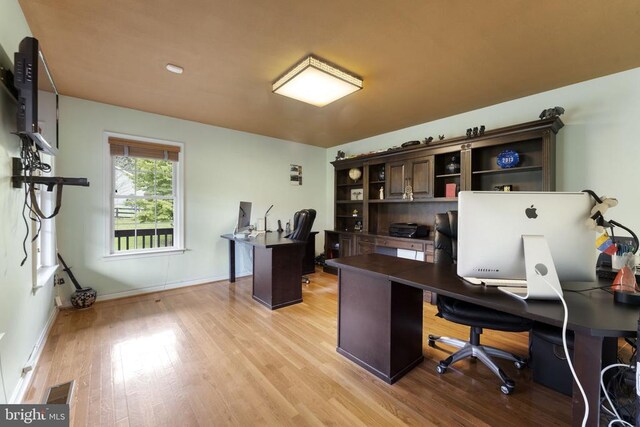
481, 352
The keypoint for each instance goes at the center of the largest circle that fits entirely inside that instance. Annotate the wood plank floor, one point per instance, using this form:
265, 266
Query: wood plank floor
210, 355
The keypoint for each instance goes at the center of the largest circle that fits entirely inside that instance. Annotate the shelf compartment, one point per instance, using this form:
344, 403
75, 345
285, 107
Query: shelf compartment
521, 179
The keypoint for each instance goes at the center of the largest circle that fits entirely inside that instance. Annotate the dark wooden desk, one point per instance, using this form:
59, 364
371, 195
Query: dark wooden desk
277, 268
380, 318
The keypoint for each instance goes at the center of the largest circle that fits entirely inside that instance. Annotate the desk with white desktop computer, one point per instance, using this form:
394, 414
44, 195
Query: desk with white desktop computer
540, 237
380, 318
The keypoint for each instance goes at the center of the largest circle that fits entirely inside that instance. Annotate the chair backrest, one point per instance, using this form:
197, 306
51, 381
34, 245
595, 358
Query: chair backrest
302, 223
446, 238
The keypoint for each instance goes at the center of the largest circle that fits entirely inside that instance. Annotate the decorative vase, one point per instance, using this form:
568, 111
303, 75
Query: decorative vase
453, 166
83, 298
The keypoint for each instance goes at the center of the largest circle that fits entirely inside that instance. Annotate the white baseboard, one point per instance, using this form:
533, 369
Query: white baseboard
25, 380
159, 288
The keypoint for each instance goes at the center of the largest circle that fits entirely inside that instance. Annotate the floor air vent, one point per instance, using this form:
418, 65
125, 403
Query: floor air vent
59, 394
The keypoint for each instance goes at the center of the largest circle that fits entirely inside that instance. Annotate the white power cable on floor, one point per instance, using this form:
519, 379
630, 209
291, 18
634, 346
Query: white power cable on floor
615, 413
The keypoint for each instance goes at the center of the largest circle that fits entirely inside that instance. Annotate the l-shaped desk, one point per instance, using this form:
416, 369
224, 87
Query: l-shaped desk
380, 318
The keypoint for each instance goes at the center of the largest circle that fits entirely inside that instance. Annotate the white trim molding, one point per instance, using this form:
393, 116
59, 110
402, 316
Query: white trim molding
24, 382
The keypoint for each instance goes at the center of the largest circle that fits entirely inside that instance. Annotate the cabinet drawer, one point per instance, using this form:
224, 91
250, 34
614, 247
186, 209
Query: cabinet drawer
414, 246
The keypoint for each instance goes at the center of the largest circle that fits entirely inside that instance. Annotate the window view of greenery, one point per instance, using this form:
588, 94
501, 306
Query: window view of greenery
143, 203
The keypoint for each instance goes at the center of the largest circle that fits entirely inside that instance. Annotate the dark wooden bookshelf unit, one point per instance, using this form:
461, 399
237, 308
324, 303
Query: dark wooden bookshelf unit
361, 221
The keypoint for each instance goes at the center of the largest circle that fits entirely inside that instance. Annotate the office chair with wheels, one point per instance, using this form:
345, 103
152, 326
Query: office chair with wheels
472, 315
302, 223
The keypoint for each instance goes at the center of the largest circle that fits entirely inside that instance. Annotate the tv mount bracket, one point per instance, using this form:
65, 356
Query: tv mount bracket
18, 179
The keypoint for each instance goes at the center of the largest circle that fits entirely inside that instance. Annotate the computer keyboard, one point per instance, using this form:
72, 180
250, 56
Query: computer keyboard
497, 282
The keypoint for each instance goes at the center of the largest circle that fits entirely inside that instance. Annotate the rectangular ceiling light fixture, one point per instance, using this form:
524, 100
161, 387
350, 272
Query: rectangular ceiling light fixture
316, 82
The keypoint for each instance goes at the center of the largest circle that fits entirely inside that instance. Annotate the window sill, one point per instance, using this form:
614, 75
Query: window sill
44, 275
144, 254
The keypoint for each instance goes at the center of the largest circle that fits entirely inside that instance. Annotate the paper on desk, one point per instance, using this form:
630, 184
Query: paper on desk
409, 254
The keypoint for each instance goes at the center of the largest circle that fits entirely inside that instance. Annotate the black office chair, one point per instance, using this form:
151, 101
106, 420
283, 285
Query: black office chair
302, 223
475, 316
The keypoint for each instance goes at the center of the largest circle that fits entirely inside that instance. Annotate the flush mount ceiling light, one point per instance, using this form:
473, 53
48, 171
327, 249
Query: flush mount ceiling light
174, 68
316, 82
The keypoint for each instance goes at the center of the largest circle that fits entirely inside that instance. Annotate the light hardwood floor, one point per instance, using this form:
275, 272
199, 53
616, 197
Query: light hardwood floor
210, 355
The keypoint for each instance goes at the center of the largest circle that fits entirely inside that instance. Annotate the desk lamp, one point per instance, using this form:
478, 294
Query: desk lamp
599, 223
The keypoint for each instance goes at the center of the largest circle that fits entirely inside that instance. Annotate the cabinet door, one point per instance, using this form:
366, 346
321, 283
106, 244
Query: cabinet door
421, 173
366, 248
346, 245
395, 179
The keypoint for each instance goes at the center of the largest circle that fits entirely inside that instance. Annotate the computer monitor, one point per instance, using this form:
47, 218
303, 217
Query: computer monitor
244, 217
491, 226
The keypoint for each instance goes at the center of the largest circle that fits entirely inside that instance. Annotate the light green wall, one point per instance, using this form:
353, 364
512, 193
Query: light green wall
596, 149
23, 316
222, 167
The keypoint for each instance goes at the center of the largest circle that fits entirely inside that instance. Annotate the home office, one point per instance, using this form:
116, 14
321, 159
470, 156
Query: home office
442, 70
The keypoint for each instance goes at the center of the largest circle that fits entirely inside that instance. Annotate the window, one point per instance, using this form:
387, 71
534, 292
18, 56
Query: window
146, 196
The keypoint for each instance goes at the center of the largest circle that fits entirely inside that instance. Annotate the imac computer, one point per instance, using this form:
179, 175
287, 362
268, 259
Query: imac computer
244, 218
538, 237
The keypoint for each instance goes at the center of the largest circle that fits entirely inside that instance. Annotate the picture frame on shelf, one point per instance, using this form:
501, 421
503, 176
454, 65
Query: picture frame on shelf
357, 194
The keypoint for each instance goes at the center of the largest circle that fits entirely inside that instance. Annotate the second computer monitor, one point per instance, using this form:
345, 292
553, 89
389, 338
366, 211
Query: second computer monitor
491, 226
244, 217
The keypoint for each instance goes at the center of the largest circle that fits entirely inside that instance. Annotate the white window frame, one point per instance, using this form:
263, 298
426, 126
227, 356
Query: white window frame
178, 208
44, 259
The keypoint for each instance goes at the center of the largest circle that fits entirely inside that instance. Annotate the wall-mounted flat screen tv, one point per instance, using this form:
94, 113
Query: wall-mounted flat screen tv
37, 115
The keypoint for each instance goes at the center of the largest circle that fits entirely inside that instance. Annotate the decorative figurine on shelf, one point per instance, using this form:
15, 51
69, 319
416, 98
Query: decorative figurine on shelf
381, 192
408, 191
427, 140
551, 112
341, 155
287, 228
453, 166
381, 174
475, 132
355, 174
441, 137
357, 226
355, 212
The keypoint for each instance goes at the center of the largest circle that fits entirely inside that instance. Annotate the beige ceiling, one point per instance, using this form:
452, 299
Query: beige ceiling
420, 59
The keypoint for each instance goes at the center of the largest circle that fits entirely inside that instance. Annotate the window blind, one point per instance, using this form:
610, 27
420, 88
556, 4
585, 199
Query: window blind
130, 148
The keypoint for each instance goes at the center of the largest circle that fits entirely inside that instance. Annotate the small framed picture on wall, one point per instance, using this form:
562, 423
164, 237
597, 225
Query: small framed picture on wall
295, 174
